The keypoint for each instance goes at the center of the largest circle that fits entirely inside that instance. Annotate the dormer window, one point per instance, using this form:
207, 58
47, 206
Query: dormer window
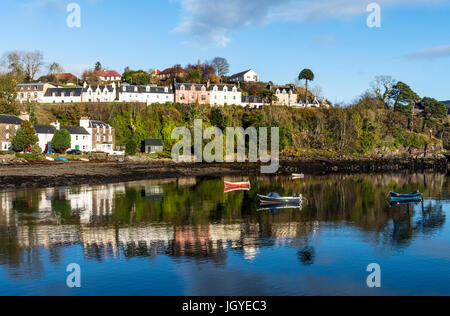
225, 89
148, 89
135, 89
124, 89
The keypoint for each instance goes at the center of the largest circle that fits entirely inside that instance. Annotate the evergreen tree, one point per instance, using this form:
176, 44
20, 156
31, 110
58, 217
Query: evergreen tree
25, 137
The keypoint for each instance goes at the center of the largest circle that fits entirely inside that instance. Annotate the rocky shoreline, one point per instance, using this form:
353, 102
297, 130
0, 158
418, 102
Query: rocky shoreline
42, 174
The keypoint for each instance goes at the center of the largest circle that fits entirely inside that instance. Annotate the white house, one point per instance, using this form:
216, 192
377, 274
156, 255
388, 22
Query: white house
225, 95
32, 92
80, 139
103, 136
108, 75
310, 104
149, 94
62, 95
101, 93
245, 76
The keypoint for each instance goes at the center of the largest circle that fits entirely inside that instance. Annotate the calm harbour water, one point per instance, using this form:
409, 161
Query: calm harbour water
189, 237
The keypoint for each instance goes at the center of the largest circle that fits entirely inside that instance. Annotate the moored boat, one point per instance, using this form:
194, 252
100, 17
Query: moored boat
298, 175
237, 184
275, 198
405, 196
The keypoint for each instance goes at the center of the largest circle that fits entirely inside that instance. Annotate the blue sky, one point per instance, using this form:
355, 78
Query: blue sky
275, 38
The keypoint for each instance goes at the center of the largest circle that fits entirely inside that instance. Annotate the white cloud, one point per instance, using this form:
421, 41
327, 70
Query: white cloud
216, 21
430, 53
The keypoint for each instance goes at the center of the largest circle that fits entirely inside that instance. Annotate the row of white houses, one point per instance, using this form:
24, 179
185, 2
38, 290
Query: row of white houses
214, 94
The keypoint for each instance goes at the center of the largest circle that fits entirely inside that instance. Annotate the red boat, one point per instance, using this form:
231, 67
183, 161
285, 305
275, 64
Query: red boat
237, 185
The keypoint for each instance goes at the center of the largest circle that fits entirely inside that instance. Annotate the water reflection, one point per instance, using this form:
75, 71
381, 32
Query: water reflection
196, 220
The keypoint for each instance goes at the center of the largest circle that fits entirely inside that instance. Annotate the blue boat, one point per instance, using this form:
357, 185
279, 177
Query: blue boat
63, 159
417, 196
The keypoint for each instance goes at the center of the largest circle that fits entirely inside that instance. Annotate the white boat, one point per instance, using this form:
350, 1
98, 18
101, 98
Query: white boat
275, 198
84, 159
49, 158
298, 176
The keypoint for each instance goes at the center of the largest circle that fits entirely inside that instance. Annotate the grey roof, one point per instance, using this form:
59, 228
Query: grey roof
239, 74
153, 142
252, 99
188, 86
102, 88
222, 86
75, 130
285, 88
44, 129
67, 91
50, 129
143, 89
100, 124
10, 119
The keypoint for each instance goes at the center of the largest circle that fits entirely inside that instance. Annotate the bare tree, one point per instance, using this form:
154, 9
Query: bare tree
222, 66
32, 61
55, 68
382, 88
13, 62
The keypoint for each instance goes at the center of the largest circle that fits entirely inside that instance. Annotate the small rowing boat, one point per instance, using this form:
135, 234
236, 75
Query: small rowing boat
298, 176
275, 198
49, 158
417, 196
84, 159
245, 185
63, 159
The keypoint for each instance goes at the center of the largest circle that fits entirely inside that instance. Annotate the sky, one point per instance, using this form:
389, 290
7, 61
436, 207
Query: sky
277, 39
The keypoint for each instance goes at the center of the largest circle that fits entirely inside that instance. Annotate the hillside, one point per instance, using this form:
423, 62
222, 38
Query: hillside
363, 129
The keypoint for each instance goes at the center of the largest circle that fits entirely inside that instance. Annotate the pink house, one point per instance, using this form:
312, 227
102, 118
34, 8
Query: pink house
188, 93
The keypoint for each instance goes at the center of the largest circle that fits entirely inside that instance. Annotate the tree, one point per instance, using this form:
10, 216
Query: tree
194, 77
269, 96
61, 141
139, 77
8, 94
306, 75
382, 88
55, 68
131, 147
98, 66
25, 137
222, 66
434, 108
13, 62
33, 62
404, 100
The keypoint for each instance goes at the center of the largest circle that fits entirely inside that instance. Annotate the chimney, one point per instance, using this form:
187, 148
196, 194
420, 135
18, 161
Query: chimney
85, 85
56, 125
84, 122
24, 116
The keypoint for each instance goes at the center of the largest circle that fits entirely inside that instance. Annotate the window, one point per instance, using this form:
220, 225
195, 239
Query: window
110, 138
7, 127
7, 136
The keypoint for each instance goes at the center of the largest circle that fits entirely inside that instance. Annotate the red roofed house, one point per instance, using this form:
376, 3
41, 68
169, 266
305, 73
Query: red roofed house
176, 72
108, 75
65, 76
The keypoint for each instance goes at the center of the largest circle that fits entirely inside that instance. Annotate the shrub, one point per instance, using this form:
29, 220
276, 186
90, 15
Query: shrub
61, 141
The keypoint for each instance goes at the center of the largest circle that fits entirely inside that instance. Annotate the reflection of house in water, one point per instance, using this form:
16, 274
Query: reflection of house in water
153, 191
47, 235
8, 217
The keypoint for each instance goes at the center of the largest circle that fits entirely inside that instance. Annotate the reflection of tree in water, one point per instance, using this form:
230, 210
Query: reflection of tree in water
194, 212
306, 255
